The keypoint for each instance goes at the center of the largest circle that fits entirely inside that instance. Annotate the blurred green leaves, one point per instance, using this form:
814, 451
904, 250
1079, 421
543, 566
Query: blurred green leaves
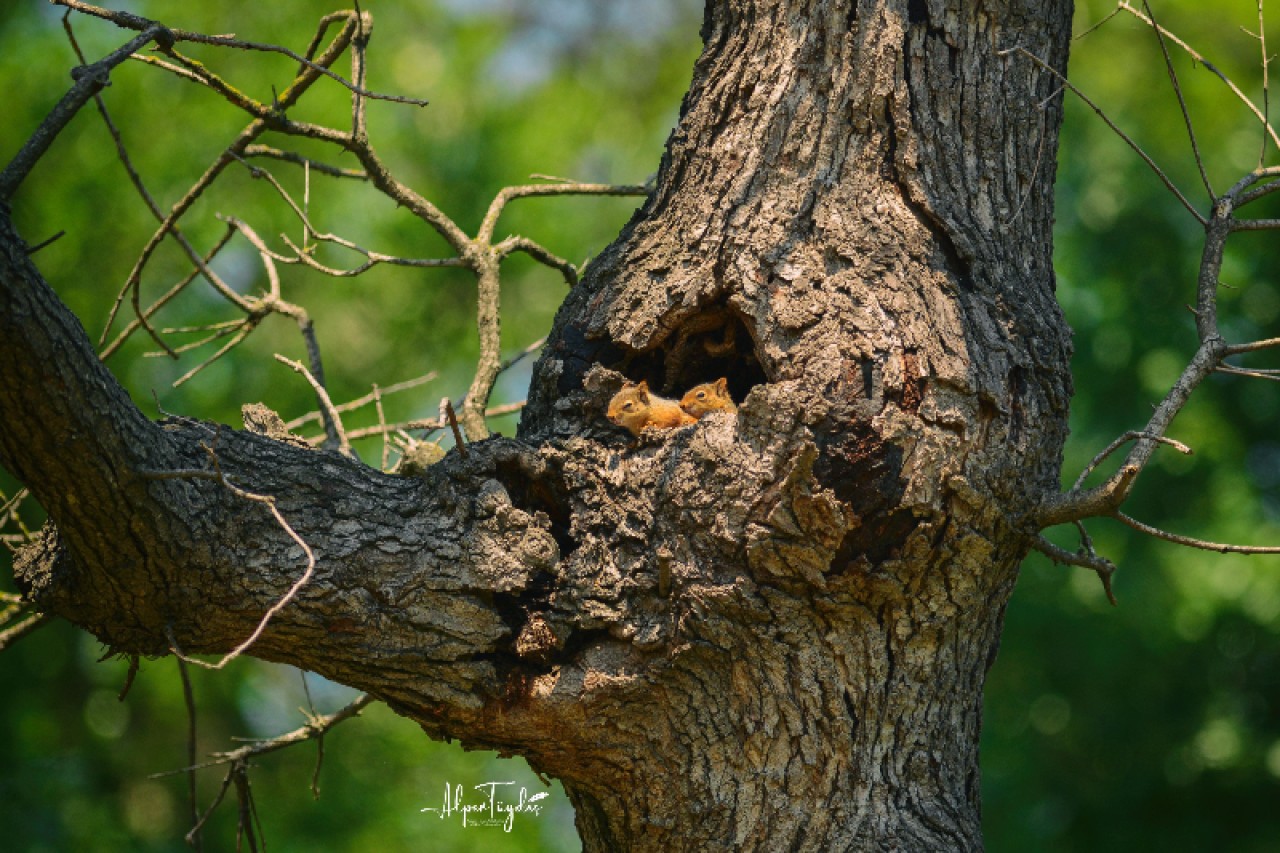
1152, 725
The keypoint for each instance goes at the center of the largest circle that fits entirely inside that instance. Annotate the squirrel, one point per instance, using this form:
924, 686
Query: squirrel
635, 408
709, 397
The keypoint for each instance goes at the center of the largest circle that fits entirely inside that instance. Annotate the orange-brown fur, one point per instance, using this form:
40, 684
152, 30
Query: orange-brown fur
635, 408
709, 397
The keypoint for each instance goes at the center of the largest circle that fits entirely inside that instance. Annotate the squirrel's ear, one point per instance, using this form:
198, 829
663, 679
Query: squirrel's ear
643, 385
723, 384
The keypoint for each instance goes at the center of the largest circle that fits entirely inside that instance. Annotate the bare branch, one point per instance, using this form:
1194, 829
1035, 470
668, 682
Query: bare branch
315, 727
1132, 435
1182, 102
1273, 375
1237, 349
488, 362
9, 636
360, 402
1255, 224
538, 253
251, 132
1114, 127
126, 20
1266, 189
189, 700
89, 80
1266, 80
1106, 498
382, 423
426, 424
258, 150
1195, 543
562, 187
344, 444
1103, 567
1197, 57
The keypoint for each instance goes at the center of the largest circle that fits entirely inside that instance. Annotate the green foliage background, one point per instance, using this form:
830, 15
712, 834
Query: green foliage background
1155, 725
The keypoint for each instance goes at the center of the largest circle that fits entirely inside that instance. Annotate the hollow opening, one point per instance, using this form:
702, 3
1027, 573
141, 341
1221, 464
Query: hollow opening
704, 347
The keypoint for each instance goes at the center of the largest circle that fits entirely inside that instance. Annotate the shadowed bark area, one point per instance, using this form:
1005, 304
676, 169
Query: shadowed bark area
767, 631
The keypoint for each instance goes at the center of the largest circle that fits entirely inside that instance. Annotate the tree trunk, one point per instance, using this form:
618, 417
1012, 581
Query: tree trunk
762, 632
858, 200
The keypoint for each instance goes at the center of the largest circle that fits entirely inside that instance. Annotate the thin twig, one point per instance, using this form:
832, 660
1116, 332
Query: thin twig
1108, 17
1103, 567
310, 715
313, 728
1196, 543
540, 254
453, 425
425, 424
1131, 435
326, 404
9, 509
258, 150
136, 22
360, 402
1146, 158
242, 332
562, 187
89, 80
194, 833
1182, 102
1266, 80
9, 636
247, 826
382, 424
508, 409
129, 677
1197, 57
189, 699
1273, 375
177, 288
48, 241
304, 80
268, 501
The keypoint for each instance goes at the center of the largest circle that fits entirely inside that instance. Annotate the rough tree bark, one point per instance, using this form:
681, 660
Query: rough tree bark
762, 632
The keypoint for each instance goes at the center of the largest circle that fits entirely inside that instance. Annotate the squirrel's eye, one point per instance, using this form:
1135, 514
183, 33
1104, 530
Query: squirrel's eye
702, 395
629, 406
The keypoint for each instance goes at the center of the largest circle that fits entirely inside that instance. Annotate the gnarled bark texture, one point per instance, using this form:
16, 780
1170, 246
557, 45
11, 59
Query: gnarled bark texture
765, 632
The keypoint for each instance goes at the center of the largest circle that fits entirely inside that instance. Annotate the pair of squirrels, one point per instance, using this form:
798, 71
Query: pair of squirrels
635, 408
